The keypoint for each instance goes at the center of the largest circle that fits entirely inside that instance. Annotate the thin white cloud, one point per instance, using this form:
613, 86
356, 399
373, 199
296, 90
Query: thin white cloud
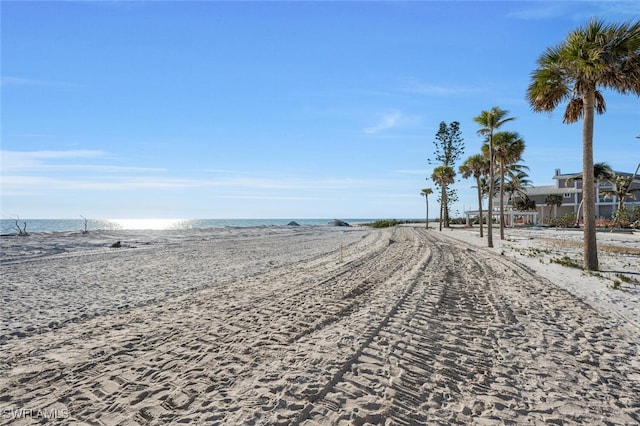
220, 171
46, 172
292, 183
30, 135
392, 195
387, 122
631, 8
578, 11
422, 172
392, 120
268, 197
20, 161
22, 81
23, 184
540, 10
20, 184
419, 88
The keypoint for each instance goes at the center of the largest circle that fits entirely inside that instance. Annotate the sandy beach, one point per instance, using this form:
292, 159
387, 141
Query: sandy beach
318, 326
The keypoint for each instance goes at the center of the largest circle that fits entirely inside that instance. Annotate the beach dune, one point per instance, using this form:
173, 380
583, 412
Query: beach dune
303, 325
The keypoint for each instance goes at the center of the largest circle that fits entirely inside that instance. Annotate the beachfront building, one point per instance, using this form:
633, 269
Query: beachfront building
563, 197
568, 191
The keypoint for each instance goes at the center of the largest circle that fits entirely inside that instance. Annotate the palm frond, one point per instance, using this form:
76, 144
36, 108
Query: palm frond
547, 89
574, 111
491, 120
476, 166
593, 56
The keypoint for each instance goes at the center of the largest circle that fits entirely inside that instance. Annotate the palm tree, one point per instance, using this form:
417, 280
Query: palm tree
484, 186
601, 172
597, 55
554, 200
508, 148
516, 179
443, 176
477, 166
490, 121
425, 193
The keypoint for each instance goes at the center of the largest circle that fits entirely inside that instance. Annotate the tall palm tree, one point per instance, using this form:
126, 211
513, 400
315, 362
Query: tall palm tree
601, 172
443, 176
425, 193
490, 121
477, 166
596, 55
508, 148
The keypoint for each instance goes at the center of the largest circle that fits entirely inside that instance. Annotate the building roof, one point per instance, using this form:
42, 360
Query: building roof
550, 189
568, 176
579, 175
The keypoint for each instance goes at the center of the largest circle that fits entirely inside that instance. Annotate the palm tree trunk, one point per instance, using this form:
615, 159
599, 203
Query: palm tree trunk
426, 224
443, 197
490, 205
480, 205
446, 209
580, 206
588, 185
501, 199
620, 204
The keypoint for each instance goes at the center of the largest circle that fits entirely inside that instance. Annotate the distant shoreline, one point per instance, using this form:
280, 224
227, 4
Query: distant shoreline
7, 226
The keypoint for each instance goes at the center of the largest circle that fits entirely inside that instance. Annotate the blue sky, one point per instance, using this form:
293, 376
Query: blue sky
274, 109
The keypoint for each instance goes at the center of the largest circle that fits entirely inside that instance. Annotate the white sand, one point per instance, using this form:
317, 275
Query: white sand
619, 260
281, 326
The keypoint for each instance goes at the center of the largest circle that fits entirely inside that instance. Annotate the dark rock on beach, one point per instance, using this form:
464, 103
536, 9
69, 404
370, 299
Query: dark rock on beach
338, 222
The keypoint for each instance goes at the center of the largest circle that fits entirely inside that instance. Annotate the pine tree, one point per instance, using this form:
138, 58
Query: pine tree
449, 149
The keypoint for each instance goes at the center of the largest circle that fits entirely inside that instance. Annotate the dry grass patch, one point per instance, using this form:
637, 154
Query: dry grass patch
601, 247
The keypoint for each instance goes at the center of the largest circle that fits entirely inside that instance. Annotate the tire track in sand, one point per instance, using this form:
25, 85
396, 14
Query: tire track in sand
410, 329
168, 344
478, 339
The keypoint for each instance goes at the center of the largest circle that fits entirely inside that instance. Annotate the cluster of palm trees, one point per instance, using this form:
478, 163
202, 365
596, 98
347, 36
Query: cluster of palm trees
595, 56
498, 164
501, 149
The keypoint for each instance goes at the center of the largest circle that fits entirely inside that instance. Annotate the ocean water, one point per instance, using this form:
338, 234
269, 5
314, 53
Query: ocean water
8, 226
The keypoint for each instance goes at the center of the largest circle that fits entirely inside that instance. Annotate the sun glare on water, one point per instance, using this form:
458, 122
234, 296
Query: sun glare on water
146, 223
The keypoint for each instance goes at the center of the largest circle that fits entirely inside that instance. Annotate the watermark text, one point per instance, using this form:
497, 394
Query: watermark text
34, 413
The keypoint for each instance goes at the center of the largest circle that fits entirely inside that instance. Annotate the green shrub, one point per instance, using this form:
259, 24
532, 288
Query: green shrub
566, 261
623, 277
626, 218
386, 223
567, 220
